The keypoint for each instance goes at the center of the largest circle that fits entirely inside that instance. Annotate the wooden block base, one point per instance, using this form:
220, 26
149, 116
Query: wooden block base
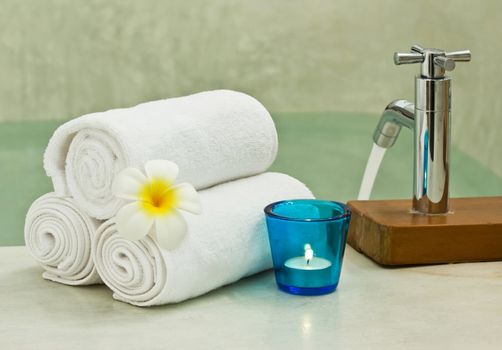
387, 232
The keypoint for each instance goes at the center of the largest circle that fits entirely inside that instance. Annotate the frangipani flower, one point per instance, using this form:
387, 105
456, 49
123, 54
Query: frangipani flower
155, 203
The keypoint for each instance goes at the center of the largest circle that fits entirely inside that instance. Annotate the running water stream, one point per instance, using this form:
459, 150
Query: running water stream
371, 171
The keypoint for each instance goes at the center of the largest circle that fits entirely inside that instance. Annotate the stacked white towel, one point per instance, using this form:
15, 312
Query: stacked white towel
58, 235
222, 138
226, 242
213, 136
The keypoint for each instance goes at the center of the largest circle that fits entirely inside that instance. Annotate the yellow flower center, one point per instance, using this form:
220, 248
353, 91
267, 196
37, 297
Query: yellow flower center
158, 197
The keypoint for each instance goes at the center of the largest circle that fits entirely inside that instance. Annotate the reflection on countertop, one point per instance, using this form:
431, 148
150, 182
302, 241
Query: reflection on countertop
446, 306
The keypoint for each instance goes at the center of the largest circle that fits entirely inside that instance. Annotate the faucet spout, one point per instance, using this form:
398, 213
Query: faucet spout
397, 114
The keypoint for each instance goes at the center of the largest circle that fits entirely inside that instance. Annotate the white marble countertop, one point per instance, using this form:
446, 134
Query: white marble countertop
432, 307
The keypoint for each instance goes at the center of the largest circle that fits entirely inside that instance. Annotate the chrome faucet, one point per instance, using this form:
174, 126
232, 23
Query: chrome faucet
430, 117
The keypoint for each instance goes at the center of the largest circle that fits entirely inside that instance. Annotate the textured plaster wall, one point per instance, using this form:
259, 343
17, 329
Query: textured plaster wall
61, 58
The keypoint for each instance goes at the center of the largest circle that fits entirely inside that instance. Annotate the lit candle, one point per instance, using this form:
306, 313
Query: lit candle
307, 271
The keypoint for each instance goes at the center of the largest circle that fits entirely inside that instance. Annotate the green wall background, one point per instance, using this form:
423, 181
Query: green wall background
60, 59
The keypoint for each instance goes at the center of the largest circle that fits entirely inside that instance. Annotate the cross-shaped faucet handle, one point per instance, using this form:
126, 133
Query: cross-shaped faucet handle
434, 61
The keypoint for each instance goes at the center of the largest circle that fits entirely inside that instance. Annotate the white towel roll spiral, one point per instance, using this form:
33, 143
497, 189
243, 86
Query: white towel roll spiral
58, 235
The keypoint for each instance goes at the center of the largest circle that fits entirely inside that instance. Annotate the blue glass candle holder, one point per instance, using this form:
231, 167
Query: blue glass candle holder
307, 240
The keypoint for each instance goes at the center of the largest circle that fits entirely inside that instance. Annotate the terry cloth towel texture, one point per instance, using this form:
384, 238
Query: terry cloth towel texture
227, 242
58, 235
213, 136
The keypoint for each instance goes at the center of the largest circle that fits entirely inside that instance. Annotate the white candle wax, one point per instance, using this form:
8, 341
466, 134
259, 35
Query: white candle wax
311, 273
300, 263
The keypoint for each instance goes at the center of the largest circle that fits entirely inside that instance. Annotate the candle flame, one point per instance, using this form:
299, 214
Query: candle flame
309, 253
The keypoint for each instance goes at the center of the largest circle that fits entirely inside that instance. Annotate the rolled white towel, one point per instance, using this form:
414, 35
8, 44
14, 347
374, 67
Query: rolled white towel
213, 136
226, 242
58, 235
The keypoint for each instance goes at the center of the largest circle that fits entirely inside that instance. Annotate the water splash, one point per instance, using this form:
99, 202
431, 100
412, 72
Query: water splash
371, 171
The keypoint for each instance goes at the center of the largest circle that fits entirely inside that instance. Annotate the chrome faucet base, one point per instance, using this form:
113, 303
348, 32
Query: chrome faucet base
432, 145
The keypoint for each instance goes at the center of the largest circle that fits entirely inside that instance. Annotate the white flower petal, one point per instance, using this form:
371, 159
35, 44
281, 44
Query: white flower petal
127, 184
170, 230
161, 168
188, 198
132, 222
